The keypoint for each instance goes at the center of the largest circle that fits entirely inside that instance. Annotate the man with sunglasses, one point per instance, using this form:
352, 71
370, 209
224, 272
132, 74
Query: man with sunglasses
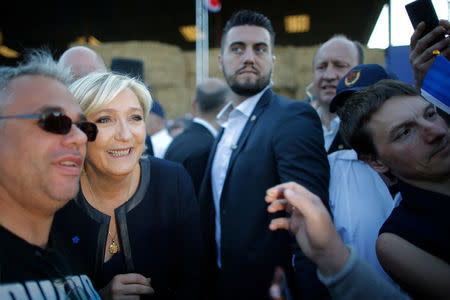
43, 135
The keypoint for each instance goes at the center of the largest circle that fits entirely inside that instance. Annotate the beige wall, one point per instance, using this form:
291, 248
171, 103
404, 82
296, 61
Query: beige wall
171, 72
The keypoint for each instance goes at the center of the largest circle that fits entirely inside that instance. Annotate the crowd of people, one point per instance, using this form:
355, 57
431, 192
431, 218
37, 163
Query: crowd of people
257, 197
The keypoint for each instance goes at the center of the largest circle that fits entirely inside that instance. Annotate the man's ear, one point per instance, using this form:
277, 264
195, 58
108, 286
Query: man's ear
220, 62
375, 163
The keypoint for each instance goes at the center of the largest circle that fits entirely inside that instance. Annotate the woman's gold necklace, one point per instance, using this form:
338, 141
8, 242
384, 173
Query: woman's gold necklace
113, 247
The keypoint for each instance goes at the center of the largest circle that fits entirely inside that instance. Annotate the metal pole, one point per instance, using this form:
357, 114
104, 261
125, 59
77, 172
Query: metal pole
201, 43
389, 22
205, 30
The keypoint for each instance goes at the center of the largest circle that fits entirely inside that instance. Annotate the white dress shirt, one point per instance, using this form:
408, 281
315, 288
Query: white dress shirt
329, 135
360, 202
233, 120
160, 142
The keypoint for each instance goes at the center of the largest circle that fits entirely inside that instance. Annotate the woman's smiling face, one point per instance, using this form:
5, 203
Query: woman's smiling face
121, 136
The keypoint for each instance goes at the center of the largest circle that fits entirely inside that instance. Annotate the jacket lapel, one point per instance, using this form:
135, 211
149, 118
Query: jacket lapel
206, 182
257, 111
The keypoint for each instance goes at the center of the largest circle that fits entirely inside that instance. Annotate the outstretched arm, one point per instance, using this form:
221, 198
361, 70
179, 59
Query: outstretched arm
345, 274
311, 223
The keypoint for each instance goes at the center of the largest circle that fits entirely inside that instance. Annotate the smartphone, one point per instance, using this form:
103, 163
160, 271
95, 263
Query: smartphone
423, 10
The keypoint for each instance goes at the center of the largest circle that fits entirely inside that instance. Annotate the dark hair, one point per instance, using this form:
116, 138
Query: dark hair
359, 108
211, 94
248, 17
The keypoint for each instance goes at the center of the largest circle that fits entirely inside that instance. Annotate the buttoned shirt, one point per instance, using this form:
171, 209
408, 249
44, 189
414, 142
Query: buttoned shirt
160, 141
233, 120
329, 135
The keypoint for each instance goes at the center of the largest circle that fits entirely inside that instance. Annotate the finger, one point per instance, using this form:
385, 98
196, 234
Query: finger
306, 202
446, 53
274, 193
278, 205
441, 45
137, 289
425, 43
279, 223
445, 23
135, 278
417, 34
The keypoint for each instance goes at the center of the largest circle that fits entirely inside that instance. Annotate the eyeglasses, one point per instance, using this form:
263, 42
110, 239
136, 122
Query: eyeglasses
59, 123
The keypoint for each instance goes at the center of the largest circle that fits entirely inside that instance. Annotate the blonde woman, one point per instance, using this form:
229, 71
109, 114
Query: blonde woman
134, 226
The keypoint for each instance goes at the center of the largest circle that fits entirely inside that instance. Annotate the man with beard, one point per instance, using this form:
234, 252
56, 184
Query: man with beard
266, 140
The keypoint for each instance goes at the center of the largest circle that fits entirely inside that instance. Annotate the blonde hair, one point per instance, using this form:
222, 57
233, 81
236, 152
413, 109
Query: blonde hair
98, 89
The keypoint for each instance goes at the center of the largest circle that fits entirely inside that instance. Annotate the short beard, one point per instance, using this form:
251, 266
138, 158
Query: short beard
247, 89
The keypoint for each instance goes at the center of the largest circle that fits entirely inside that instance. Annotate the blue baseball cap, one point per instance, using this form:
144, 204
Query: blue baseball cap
359, 77
157, 108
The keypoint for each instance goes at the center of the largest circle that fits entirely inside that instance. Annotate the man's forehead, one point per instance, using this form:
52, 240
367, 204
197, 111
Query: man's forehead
33, 92
248, 34
338, 49
399, 109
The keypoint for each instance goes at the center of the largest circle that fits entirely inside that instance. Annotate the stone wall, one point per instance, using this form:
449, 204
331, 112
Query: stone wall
170, 71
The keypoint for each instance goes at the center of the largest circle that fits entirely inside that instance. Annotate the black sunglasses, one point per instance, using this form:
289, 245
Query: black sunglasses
59, 123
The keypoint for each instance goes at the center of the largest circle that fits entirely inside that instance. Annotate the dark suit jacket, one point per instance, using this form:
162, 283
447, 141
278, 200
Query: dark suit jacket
282, 141
159, 231
148, 143
191, 148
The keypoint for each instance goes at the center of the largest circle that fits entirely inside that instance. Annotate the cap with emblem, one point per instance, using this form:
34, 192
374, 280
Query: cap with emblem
357, 78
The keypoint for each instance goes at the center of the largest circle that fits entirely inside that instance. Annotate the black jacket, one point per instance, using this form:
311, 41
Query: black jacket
158, 228
191, 148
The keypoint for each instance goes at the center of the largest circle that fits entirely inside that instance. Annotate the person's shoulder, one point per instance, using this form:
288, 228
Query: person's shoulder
162, 166
348, 154
292, 105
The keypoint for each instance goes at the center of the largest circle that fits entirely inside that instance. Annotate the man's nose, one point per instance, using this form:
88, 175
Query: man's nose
433, 131
249, 56
330, 73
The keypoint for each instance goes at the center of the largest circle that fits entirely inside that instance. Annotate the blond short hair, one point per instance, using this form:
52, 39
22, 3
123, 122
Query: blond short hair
98, 89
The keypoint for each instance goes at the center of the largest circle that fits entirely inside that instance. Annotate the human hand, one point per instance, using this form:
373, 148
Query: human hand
127, 286
311, 223
421, 50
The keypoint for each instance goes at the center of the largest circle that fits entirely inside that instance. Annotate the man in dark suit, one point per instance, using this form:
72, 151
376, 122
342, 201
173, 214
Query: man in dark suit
191, 148
267, 139
331, 62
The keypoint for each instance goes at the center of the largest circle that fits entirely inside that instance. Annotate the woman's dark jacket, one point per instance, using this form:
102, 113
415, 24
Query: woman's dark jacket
158, 227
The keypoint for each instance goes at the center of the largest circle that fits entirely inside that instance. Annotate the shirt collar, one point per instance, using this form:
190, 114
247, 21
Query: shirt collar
206, 124
334, 124
246, 107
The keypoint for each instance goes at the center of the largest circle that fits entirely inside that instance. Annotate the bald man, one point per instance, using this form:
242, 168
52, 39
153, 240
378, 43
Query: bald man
191, 148
331, 62
82, 61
